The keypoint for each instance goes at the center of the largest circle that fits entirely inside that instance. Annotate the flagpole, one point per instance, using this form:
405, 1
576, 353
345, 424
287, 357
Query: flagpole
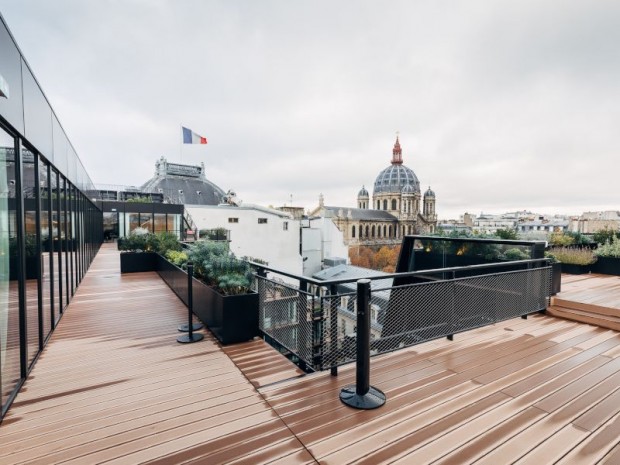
181, 145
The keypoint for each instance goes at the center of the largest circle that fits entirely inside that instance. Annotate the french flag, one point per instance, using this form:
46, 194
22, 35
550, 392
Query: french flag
190, 137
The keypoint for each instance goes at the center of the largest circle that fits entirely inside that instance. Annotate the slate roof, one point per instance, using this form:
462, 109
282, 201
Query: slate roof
362, 213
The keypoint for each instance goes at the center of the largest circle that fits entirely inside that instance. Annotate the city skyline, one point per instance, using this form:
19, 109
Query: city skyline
500, 106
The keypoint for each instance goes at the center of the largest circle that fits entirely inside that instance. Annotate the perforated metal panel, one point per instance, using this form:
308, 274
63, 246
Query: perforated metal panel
322, 329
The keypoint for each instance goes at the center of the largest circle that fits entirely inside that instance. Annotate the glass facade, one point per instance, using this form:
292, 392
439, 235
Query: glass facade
50, 229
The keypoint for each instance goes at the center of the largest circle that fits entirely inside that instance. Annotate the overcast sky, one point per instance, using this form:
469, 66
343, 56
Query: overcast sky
500, 105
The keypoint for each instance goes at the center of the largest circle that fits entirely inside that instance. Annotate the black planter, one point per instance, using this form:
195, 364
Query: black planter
556, 278
607, 265
136, 262
231, 318
575, 269
174, 277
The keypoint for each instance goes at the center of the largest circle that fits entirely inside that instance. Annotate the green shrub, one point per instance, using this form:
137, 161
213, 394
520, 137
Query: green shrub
572, 256
231, 275
165, 241
515, 254
203, 252
509, 234
578, 238
559, 239
609, 248
603, 235
177, 257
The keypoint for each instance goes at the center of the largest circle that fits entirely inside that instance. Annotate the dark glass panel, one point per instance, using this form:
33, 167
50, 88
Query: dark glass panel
9, 296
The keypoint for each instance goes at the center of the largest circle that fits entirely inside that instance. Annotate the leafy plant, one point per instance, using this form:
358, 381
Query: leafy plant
515, 254
510, 234
165, 241
573, 256
202, 253
179, 258
559, 239
231, 275
609, 248
603, 235
578, 238
140, 240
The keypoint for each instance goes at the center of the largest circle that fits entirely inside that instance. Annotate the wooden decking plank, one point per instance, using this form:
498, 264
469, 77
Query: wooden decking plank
353, 447
543, 431
555, 447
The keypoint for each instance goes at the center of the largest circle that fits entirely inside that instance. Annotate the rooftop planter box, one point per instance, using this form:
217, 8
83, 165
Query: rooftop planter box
576, 269
137, 262
607, 265
231, 318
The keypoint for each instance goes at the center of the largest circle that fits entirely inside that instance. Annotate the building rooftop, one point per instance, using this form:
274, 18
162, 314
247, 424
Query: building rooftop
114, 386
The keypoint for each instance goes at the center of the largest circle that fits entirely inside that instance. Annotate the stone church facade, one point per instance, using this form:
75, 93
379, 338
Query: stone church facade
397, 208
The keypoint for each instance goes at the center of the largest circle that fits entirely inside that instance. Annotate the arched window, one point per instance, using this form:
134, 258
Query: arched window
409, 229
353, 231
390, 231
385, 204
366, 231
384, 230
394, 204
373, 230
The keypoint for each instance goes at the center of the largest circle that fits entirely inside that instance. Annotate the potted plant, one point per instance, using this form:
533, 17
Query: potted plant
225, 303
574, 261
608, 255
139, 250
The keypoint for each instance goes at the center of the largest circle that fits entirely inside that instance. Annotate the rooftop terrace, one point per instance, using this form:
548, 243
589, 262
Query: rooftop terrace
114, 386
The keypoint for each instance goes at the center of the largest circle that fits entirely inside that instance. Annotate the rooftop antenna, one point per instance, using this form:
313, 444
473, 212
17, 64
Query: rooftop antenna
291, 200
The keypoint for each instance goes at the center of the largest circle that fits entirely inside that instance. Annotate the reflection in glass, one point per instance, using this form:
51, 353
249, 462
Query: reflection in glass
9, 305
33, 260
46, 244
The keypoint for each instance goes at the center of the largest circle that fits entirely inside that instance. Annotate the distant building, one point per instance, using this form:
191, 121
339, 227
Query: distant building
397, 208
255, 231
591, 222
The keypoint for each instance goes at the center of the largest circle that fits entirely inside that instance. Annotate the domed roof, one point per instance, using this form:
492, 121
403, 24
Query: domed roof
363, 192
408, 189
429, 193
396, 176
184, 184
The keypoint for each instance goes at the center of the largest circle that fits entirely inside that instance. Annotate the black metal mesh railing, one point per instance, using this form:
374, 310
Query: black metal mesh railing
319, 325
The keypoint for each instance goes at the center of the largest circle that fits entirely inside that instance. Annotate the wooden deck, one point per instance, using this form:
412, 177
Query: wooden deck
589, 298
114, 386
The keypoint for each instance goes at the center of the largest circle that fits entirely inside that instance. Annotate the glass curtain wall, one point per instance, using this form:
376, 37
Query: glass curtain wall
49, 234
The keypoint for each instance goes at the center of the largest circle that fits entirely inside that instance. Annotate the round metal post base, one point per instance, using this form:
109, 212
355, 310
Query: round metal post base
185, 339
195, 327
374, 398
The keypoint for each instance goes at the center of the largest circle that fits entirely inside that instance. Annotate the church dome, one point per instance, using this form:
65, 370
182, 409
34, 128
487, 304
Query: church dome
429, 193
363, 192
397, 176
408, 189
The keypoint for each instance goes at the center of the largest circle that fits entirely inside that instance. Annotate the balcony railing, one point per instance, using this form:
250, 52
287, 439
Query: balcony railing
316, 320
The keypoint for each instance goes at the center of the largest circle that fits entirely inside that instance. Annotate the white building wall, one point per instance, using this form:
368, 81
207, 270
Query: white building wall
273, 242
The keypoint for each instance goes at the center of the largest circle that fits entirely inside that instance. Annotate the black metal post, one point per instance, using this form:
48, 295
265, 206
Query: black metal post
190, 336
363, 395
